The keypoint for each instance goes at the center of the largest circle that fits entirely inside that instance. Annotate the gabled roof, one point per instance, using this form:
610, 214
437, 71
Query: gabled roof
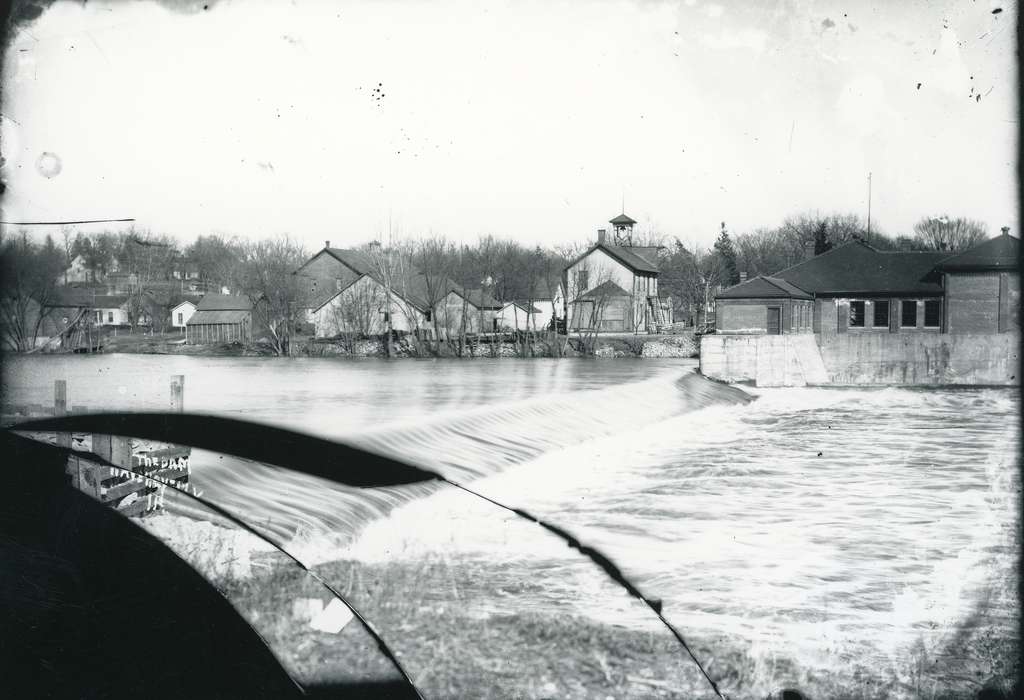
356, 261
73, 296
999, 253
479, 298
414, 289
647, 252
764, 287
545, 290
855, 268
621, 220
604, 290
200, 317
182, 303
624, 254
109, 301
223, 302
522, 304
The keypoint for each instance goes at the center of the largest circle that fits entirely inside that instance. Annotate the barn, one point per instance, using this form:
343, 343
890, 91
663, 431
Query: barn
220, 318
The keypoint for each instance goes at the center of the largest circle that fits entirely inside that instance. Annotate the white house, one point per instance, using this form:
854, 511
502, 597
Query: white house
181, 313
613, 287
77, 272
361, 307
110, 310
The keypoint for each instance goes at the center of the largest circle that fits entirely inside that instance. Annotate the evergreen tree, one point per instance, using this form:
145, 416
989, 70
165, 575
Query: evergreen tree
727, 255
822, 243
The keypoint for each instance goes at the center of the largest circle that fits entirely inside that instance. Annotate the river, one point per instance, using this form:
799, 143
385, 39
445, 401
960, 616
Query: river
828, 525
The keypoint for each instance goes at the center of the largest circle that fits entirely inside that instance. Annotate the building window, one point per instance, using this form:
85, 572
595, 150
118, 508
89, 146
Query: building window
387, 317
582, 279
856, 314
880, 318
427, 315
932, 313
110, 317
908, 313
180, 317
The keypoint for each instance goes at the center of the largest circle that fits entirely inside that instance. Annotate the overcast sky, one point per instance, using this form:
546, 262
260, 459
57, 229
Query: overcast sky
533, 120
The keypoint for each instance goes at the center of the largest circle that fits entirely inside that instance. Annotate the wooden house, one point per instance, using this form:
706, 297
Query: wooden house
220, 318
181, 314
614, 286
467, 311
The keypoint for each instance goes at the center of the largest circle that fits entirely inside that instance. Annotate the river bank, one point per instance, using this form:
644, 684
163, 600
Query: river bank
604, 346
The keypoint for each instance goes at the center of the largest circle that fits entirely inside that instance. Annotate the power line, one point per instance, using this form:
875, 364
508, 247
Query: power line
63, 223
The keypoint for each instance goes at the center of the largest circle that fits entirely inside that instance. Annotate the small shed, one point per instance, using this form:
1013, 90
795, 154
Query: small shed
220, 318
181, 314
764, 306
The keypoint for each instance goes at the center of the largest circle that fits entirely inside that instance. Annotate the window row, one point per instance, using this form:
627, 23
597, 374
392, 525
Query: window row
907, 309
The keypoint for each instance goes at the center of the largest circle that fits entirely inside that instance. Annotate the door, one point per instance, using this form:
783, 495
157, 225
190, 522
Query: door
774, 320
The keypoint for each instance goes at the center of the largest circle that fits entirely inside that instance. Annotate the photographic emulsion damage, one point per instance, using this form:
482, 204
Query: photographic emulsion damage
619, 350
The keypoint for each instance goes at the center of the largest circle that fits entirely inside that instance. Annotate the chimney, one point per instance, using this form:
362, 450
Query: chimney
601, 233
327, 244
808, 250
1006, 230
743, 277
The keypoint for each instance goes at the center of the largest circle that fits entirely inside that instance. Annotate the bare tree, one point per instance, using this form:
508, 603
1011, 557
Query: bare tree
29, 276
275, 292
953, 235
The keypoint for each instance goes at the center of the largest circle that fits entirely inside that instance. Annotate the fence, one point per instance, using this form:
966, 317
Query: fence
136, 482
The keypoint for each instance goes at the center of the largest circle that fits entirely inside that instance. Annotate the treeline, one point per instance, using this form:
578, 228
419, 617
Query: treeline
693, 274
501, 267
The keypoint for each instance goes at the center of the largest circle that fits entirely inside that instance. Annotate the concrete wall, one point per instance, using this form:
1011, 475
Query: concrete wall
922, 358
766, 360
863, 359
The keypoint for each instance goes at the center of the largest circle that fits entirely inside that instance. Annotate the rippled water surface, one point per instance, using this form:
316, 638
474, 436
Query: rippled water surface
836, 525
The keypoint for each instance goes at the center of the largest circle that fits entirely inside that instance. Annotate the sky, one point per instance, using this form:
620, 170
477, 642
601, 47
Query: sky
537, 121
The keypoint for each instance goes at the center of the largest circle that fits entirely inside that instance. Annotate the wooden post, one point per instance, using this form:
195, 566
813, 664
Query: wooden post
60, 408
178, 393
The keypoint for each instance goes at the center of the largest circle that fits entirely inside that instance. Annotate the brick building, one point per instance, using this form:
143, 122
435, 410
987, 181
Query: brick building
856, 288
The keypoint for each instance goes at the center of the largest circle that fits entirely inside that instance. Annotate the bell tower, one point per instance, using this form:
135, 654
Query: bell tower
623, 229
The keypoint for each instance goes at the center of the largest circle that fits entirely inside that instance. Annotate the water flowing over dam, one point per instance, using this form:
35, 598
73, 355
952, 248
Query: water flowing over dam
842, 528
463, 445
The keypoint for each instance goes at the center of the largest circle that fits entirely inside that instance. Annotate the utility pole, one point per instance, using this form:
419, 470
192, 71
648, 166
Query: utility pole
869, 207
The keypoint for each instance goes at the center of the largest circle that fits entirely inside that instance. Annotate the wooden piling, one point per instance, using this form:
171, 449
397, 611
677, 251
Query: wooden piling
60, 408
178, 393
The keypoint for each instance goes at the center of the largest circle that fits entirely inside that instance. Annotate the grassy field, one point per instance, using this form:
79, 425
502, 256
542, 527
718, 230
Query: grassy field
434, 615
